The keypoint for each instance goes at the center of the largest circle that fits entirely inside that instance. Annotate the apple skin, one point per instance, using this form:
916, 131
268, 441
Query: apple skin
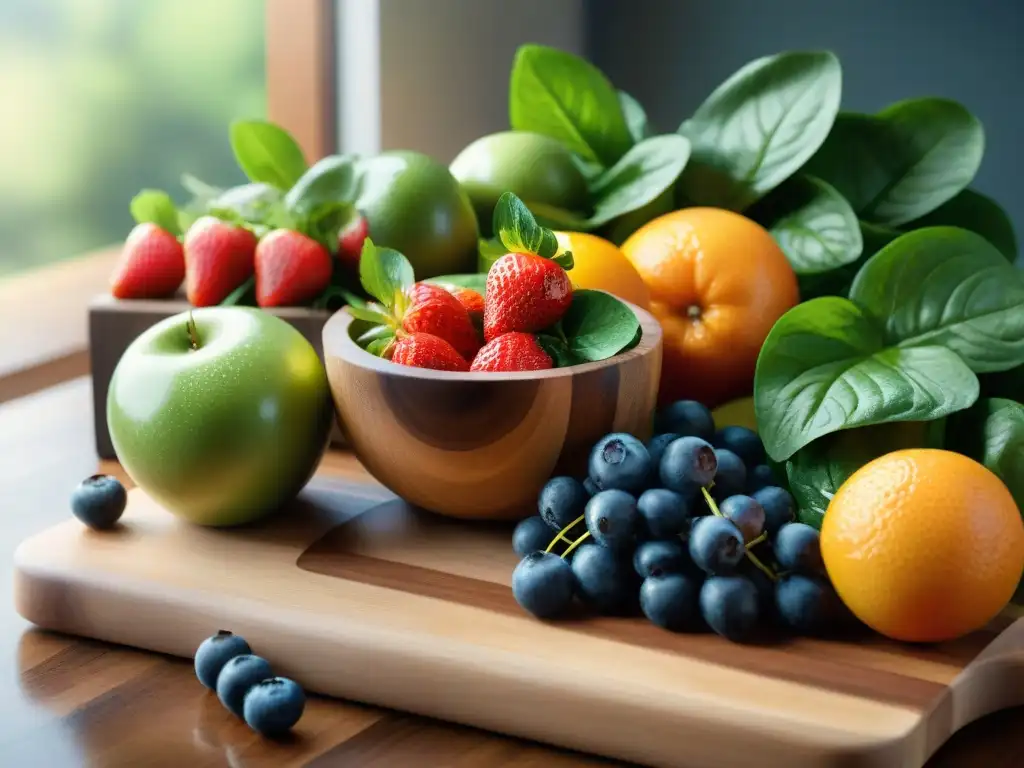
227, 433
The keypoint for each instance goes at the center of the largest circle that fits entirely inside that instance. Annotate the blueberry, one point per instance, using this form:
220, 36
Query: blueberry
542, 584
779, 507
743, 442
798, 548
589, 486
687, 418
530, 535
237, 677
612, 518
656, 446
730, 476
759, 477
746, 514
604, 579
729, 606
688, 464
214, 652
807, 604
671, 601
99, 501
273, 706
656, 558
663, 513
716, 545
620, 462
561, 501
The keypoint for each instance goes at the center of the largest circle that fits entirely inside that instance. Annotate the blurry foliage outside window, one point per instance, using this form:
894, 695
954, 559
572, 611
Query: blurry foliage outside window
100, 98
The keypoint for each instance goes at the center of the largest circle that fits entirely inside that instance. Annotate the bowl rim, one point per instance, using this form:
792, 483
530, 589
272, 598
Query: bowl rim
338, 342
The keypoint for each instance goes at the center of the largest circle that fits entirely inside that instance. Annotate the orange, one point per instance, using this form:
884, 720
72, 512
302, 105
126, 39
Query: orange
718, 283
600, 265
923, 545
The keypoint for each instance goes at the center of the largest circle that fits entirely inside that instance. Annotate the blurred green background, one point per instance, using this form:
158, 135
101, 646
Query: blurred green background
100, 98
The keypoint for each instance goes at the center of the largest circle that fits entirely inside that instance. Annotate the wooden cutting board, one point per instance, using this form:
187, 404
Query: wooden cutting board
356, 595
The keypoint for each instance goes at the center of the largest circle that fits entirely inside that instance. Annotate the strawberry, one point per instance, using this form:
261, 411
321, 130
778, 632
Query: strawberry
152, 264
524, 293
291, 269
350, 241
423, 350
218, 259
512, 351
435, 311
470, 299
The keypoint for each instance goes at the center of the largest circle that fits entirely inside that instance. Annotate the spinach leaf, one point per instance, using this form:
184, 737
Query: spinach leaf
978, 213
812, 223
905, 161
949, 287
759, 127
837, 282
560, 95
267, 153
992, 432
643, 173
156, 207
597, 325
636, 117
330, 180
825, 366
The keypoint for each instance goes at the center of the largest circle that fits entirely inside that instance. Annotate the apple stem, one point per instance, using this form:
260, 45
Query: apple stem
193, 332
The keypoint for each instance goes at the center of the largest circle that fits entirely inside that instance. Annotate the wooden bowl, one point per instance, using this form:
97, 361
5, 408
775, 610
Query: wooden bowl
481, 445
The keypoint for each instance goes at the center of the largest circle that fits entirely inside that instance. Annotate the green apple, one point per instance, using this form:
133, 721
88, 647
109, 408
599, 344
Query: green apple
220, 414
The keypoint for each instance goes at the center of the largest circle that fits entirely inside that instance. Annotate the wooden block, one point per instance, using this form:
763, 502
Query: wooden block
114, 324
357, 595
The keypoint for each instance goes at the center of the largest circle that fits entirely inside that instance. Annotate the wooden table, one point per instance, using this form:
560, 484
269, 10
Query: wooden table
68, 702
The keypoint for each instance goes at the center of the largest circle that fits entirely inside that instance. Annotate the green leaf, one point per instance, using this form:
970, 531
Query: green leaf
560, 95
558, 351
950, 287
518, 231
199, 189
384, 273
837, 282
337, 294
254, 202
476, 281
825, 367
156, 207
243, 295
816, 471
812, 223
267, 153
325, 221
643, 173
992, 432
373, 333
381, 346
759, 127
905, 161
330, 180
369, 315
597, 325
636, 117
978, 213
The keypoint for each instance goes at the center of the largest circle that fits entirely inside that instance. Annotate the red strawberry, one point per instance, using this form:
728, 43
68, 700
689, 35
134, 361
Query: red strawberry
470, 299
435, 311
152, 264
291, 269
350, 241
524, 293
218, 259
512, 351
423, 350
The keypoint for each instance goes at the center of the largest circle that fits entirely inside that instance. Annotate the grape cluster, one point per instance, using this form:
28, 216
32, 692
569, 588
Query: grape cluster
690, 529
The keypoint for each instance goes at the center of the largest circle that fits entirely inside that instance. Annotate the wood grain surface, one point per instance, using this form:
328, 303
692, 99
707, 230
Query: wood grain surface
74, 702
481, 445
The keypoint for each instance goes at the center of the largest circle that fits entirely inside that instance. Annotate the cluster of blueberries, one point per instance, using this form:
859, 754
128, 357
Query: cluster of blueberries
246, 685
689, 528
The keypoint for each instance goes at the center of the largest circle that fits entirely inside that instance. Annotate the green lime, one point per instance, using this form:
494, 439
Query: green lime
535, 168
414, 205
